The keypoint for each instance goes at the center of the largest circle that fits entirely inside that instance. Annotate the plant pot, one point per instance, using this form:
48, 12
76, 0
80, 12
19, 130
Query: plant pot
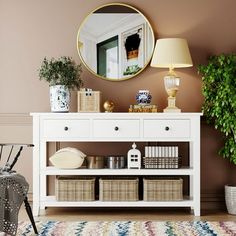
59, 98
230, 198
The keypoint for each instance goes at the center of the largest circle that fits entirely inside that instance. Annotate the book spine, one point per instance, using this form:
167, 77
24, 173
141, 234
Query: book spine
146, 151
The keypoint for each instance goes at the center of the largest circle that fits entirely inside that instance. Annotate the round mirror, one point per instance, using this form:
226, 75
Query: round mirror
115, 42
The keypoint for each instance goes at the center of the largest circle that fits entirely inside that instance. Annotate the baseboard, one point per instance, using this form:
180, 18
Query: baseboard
212, 201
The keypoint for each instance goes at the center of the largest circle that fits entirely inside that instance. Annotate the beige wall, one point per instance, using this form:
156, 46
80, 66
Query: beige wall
31, 30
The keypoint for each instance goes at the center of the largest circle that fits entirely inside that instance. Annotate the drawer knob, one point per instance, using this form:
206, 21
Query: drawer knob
167, 128
66, 128
116, 128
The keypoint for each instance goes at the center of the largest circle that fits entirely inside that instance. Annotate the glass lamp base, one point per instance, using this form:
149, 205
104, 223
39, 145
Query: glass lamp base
171, 106
172, 109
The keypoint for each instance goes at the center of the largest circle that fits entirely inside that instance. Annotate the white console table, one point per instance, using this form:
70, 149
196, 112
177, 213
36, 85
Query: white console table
122, 127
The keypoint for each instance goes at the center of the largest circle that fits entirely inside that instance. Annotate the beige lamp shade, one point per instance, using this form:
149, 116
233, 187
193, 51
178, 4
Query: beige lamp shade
171, 53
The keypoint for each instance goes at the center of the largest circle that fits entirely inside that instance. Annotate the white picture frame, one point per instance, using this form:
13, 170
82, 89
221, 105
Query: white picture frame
132, 63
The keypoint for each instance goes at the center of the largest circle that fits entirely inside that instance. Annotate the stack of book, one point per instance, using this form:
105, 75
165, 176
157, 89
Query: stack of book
143, 108
162, 157
161, 151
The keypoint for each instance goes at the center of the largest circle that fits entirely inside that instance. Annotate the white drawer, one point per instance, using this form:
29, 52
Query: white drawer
65, 128
167, 128
116, 128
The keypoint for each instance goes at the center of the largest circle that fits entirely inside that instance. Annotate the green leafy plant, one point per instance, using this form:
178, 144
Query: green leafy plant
219, 90
61, 71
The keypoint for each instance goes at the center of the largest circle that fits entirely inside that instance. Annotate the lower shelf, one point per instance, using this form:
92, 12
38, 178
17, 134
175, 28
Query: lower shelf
50, 201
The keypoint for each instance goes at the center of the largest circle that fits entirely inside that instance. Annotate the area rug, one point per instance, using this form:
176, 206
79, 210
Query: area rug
132, 228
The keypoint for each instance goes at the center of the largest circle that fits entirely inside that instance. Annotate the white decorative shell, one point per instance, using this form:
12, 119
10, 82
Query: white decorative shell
67, 158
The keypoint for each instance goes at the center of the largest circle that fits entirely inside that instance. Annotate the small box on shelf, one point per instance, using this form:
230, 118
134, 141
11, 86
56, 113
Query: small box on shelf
161, 157
88, 100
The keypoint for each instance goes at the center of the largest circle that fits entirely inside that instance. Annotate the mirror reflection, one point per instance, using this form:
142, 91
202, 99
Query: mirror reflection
115, 42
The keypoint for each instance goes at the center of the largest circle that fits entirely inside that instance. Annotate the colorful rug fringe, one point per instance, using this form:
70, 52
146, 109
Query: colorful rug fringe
130, 228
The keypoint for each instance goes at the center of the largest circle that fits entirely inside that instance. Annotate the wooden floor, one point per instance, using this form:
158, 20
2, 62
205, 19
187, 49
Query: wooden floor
74, 214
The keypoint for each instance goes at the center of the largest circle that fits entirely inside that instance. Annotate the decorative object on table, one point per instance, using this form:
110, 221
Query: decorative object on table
62, 75
219, 104
161, 151
161, 157
134, 158
118, 189
109, 106
143, 108
116, 162
88, 100
171, 53
143, 97
230, 198
59, 98
95, 162
75, 188
162, 189
67, 158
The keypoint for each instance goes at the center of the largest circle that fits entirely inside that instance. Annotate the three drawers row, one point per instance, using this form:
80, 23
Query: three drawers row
116, 128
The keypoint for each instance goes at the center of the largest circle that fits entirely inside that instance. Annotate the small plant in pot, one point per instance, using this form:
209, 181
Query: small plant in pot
63, 75
219, 90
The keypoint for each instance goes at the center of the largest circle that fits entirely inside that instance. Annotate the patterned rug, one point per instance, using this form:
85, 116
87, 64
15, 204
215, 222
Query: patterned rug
133, 228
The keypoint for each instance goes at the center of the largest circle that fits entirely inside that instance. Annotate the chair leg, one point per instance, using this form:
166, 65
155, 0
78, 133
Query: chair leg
29, 212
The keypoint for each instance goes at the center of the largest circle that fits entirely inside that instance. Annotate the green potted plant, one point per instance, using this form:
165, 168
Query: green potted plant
63, 75
219, 90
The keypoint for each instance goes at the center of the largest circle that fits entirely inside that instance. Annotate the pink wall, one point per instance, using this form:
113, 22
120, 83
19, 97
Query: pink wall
31, 30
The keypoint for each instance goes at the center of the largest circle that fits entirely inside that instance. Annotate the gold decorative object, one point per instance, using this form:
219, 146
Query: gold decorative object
143, 108
108, 106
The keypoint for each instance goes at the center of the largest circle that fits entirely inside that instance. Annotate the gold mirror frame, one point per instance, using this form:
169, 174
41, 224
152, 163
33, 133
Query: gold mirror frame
145, 63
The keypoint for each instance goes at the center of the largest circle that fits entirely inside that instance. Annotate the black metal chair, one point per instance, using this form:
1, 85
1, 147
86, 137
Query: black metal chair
13, 191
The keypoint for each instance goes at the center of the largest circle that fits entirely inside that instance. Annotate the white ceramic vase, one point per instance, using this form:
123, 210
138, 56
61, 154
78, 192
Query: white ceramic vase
230, 199
59, 98
143, 97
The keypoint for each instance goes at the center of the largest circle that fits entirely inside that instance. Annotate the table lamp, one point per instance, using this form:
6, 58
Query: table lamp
171, 53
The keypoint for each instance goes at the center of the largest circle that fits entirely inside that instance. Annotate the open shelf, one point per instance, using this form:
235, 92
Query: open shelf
51, 201
102, 172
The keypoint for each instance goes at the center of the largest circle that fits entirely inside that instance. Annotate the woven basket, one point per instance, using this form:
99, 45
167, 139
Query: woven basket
162, 162
122, 189
88, 101
74, 188
158, 189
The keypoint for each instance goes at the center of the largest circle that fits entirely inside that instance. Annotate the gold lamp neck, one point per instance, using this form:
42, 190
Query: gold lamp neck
171, 71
